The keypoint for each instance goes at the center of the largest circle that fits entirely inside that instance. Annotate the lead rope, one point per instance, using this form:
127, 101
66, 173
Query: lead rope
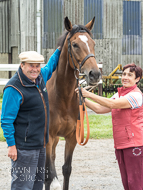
80, 121
82, 106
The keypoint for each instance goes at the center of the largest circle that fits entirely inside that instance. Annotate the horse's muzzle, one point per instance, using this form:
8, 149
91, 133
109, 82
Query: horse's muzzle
94, 77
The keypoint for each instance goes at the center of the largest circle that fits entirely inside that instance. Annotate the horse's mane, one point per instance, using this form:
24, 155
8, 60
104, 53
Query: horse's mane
75, 29
79, 28
61, 39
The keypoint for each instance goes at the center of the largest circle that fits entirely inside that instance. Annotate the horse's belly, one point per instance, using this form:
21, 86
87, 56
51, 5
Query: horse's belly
62, 127
66, 129
63, 121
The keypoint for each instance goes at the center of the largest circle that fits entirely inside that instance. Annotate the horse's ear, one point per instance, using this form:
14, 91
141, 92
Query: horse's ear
68, 24
90, 24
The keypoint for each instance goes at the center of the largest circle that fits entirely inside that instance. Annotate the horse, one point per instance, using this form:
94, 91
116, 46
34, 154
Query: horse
77, 54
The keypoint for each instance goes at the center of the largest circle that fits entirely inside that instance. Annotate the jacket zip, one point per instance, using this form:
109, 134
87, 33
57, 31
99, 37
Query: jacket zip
26, 133
45, 108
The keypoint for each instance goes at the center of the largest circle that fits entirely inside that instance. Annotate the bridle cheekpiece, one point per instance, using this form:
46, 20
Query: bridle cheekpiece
70, 51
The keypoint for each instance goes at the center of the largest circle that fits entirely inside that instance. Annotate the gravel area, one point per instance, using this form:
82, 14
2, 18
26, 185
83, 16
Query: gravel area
94, 166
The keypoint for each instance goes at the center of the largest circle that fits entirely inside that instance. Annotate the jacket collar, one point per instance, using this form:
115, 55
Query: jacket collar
25, 81
123, 91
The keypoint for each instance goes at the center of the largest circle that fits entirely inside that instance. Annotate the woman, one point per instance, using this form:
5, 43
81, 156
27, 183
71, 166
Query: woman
127, 118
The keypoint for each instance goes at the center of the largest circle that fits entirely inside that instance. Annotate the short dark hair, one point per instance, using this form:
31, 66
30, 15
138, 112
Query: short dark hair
133, 67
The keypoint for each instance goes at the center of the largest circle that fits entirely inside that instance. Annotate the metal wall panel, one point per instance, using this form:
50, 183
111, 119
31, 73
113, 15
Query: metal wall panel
133, 0
54, 13
113, 16
53, 22
132, 43
126, 59
103, 54
131, 18
108, 52
28, 25
142, 31
18, 25
112, 38
14, 24
20, 30
109, 49
4, 26
74, 10
1, 28
94, 8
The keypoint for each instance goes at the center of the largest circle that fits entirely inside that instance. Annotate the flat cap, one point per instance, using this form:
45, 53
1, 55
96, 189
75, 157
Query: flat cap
31, 57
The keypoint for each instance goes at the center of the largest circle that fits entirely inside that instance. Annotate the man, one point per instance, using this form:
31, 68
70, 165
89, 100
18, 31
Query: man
25, 119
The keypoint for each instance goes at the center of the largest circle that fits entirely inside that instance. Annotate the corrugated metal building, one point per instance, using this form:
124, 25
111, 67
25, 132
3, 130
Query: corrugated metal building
36, 24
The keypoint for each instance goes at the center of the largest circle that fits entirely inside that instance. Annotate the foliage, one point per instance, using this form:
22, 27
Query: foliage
109, 95
1, 96
0, 103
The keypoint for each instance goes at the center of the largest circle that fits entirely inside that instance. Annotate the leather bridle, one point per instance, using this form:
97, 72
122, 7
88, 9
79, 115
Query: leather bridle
82, 106
70, 52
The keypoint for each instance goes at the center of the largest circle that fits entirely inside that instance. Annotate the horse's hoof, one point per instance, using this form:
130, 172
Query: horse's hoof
56, 185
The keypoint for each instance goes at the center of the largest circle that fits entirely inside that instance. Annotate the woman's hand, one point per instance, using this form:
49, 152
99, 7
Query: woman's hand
85, 93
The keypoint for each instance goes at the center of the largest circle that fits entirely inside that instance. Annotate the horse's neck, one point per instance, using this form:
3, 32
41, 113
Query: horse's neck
65, 79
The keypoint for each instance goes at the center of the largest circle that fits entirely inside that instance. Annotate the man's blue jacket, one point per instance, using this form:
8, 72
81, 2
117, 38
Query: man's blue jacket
12, 101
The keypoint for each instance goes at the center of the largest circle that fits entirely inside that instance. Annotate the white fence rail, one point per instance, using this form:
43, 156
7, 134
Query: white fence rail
14, 67
7, 67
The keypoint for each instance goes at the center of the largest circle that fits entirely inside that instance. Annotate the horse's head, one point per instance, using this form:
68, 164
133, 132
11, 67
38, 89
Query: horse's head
81, 50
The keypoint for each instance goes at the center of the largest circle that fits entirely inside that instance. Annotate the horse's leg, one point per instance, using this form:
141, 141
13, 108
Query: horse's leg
50, 172
69, 148
55, 183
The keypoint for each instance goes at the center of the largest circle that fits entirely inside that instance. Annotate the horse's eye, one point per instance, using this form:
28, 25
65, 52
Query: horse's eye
75, 45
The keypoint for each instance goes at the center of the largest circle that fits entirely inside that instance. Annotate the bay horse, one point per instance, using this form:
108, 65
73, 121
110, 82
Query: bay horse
77, 53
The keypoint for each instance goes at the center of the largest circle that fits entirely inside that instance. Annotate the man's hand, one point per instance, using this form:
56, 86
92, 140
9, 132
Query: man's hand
12, 152
59, 48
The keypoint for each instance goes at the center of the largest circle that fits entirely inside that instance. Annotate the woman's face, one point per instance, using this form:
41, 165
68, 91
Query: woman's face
129, 78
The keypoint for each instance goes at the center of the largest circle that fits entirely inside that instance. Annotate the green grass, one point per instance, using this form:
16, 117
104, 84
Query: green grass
100, 126
0, 103
1, 134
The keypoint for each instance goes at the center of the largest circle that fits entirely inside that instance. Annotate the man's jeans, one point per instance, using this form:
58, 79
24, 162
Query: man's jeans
28, 171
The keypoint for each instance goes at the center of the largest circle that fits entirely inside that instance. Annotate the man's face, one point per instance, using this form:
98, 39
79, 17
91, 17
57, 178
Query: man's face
31, 70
